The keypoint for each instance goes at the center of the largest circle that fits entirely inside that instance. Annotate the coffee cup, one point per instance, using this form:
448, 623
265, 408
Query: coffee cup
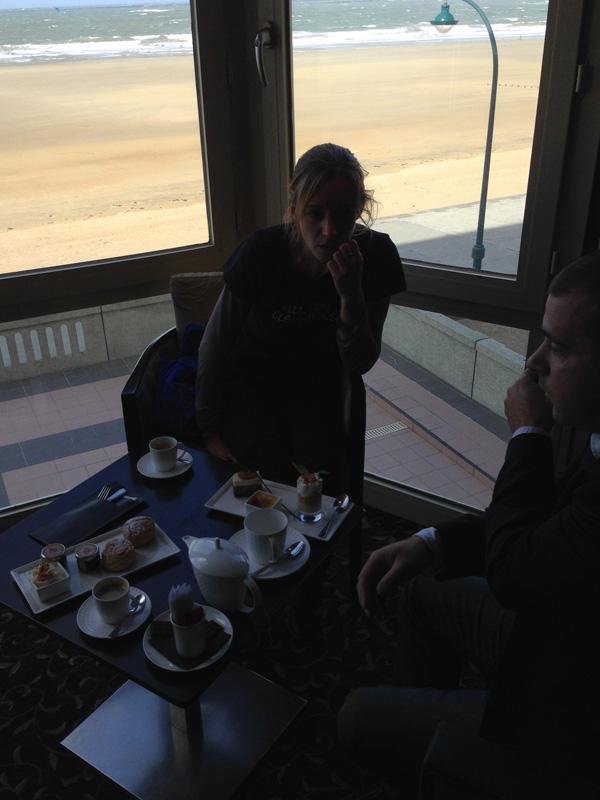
266, 530
165, 451
112, 598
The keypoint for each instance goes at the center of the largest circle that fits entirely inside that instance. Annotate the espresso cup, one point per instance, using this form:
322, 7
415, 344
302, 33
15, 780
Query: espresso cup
112, 598
165, 452
266, 530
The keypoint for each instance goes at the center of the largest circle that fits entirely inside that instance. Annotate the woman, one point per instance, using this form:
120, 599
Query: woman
303, 303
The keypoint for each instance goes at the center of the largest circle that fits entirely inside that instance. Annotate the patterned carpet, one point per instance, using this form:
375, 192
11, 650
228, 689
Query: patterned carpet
48, 688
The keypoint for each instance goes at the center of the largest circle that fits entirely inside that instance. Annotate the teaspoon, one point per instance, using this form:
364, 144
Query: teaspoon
340, 504
291, 551
136, 604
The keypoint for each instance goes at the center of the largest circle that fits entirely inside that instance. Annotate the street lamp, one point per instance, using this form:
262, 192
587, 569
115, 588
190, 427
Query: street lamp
444, 23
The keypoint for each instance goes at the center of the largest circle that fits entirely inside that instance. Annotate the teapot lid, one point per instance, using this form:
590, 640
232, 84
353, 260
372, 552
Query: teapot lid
219, 558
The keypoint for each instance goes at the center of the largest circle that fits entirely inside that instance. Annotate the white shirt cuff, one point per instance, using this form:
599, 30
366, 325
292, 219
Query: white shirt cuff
529, 429
429, 536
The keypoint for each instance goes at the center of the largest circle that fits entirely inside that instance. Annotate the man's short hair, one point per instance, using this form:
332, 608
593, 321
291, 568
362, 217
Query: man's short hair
581, 277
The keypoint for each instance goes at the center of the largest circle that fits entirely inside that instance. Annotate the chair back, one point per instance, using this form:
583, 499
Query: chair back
194, 296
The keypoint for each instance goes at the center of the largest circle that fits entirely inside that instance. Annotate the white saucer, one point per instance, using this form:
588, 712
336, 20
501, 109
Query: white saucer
286, 566
89, 620
146, 466
156, 657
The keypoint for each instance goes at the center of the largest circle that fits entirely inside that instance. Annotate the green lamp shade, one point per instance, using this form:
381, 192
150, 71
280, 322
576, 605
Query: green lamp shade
444, 20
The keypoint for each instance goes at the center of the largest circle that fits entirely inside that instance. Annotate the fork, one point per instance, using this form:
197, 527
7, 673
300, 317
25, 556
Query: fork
104, 492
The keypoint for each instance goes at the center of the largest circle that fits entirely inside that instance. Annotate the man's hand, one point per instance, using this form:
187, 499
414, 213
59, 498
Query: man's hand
390, 566
526, 404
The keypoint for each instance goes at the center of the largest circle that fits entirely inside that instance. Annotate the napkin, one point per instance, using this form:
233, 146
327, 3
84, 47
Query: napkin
162, 639
85, 519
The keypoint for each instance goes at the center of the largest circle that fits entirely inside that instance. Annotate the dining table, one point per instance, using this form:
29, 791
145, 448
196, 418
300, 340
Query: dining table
168, 731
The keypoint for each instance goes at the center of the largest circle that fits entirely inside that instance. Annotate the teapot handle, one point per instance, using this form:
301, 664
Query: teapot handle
256, 596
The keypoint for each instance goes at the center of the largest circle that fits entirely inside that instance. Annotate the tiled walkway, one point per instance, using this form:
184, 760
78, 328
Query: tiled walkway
59, 429
448, 445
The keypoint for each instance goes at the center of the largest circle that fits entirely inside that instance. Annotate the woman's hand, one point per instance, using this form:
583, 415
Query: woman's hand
216, 446
346, 269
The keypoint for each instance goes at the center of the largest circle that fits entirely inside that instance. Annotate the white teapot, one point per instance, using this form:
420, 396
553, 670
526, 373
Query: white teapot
221, 569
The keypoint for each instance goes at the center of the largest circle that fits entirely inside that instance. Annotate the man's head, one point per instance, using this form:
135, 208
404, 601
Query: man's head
568, 360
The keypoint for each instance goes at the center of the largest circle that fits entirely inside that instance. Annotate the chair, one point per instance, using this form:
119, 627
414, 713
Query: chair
460, 765
194, 297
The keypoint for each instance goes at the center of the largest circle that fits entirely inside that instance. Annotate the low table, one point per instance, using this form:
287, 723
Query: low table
185, 752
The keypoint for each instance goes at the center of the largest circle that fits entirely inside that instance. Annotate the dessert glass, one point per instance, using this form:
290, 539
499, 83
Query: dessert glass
310, 497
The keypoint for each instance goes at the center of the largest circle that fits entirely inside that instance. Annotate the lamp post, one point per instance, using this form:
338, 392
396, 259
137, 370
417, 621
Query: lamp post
444, 23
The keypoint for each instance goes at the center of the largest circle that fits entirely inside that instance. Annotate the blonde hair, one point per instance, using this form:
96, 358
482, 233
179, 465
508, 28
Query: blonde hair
322, 163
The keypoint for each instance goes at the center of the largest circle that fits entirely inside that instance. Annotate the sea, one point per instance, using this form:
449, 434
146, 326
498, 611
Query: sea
93, 31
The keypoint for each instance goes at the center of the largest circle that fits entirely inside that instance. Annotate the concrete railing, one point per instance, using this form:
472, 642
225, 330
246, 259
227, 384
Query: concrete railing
471, 362
479, 367
33, 347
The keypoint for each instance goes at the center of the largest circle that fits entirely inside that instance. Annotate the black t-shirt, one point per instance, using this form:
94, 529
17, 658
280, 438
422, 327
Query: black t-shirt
292, 317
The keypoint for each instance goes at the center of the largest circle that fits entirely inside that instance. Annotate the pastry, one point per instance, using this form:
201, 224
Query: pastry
139, 530
245, 483
117, 555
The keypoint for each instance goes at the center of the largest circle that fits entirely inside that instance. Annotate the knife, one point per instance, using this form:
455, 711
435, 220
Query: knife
116, 495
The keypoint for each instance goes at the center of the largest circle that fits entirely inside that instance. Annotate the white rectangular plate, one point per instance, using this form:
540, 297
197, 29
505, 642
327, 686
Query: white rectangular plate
82, 582
223, 500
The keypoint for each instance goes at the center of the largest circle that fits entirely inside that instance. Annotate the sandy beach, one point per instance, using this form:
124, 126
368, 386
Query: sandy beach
111, 164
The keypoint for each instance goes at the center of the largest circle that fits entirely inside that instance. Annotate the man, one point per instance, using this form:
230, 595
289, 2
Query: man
514, 592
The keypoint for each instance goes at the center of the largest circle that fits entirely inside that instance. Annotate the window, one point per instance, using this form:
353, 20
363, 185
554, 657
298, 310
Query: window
101, 153
247, 141
118, 164
415, 107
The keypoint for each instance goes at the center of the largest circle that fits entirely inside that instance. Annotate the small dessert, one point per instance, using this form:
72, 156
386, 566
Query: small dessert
262, 500
49, 579
118, 555
245, 483
139, 530
310, 495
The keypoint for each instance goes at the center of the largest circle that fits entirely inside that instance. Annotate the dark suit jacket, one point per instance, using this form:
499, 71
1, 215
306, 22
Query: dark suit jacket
538, 545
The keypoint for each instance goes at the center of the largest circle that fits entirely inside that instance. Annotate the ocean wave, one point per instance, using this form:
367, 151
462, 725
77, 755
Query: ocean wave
136, 47
413, 34
121, 32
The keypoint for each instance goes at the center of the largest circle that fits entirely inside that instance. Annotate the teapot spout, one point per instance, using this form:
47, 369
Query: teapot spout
189, 540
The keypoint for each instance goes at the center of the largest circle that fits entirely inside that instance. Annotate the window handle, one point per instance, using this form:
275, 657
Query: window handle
263, 40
